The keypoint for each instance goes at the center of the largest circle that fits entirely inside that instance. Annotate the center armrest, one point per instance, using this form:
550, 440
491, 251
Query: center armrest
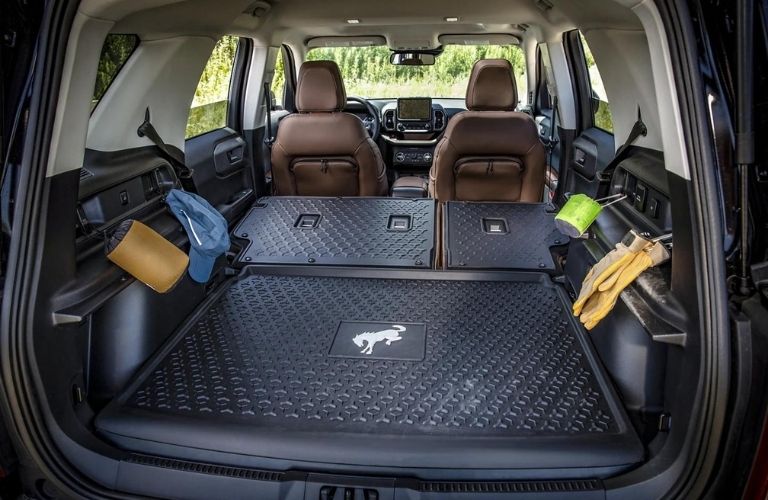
410, 187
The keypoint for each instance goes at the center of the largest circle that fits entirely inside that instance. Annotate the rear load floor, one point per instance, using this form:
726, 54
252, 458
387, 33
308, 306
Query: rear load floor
482, 371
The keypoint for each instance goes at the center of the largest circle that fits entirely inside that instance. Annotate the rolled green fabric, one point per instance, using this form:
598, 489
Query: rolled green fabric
578, 213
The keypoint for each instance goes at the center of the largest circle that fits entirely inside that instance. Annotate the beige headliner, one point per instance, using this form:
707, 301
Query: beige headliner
405, 23
629, 43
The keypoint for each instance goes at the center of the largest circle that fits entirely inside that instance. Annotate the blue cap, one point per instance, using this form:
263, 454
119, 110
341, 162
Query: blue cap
207, 230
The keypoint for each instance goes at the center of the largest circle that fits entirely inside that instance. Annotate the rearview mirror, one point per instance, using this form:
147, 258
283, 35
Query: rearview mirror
412, 58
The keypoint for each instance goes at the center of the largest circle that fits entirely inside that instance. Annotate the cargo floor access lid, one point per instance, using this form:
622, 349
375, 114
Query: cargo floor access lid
380, 232
491, 235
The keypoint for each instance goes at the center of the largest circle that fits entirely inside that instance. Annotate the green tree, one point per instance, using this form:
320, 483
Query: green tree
368, 73
278, 79
214, 82
602, 117
114, 53
209, 106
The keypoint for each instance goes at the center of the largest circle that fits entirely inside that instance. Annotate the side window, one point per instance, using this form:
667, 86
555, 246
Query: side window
115, 52
602, 112
278, 82
209, 107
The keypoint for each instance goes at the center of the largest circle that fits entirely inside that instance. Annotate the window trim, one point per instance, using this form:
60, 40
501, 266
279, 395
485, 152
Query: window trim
541, 97
289, 68
577, 66
237, 83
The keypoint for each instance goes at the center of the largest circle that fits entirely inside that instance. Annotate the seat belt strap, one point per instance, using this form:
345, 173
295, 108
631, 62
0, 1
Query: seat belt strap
638, 129
550, 147
269, 139
184, 173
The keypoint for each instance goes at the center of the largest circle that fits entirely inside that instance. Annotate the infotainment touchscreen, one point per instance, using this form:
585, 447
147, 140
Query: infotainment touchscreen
414, 108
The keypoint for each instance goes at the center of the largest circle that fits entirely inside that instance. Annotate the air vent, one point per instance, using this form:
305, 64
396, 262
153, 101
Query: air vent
439, 119
389, 120
85, 173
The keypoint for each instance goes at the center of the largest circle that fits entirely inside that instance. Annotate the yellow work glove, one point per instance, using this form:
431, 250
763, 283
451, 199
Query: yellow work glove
609, 266
602, 302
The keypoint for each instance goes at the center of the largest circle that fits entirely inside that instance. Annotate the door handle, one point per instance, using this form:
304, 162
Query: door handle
235, 155
229, 156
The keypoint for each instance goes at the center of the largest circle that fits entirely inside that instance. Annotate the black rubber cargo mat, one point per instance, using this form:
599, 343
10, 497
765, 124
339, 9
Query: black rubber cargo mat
381, 232
398, 369
500, 236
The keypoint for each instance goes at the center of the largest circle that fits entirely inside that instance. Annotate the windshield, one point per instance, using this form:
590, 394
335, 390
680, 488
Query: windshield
368, 73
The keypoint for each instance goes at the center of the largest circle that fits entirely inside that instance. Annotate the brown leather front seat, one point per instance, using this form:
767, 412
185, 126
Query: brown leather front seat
321, 151
491, 152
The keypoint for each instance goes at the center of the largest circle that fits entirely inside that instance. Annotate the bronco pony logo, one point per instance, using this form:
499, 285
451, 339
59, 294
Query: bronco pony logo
370, 339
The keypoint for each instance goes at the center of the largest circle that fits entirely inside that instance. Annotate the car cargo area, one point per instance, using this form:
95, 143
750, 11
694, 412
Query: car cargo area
334, 349
301, 250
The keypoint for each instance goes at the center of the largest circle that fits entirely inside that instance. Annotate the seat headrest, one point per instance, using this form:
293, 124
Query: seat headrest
491, 86
320, 88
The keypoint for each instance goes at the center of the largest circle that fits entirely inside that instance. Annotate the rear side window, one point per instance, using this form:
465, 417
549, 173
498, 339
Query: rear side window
209, 107
602, 112
278, 81
115, 52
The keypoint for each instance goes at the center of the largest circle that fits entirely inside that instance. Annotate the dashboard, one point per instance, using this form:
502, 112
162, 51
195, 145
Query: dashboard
413, 115
410, 128
415, 109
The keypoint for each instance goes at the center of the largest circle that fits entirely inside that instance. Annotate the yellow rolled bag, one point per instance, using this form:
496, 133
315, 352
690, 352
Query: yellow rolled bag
146, 255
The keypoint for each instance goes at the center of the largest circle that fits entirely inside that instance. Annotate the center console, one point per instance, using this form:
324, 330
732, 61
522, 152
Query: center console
414, 115
411, 126
415, 156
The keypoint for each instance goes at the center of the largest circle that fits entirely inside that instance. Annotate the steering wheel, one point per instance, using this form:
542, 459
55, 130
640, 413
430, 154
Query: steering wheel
373, 124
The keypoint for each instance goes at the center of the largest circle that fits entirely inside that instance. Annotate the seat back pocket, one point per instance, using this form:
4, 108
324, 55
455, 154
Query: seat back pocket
488, 179
325, 177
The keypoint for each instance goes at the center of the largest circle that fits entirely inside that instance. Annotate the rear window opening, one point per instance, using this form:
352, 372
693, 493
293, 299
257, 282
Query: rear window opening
115, 53
371, 280
602, 111
210, 104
